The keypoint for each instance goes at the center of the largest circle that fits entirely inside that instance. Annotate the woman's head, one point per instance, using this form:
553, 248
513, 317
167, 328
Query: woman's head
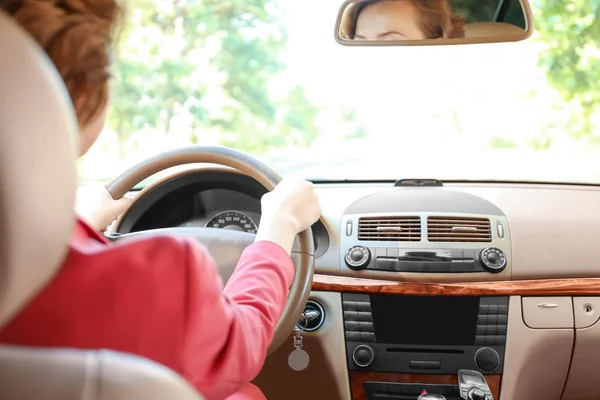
78, 36
401, 20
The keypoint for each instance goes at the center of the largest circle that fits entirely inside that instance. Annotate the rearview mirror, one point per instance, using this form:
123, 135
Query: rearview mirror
432, 22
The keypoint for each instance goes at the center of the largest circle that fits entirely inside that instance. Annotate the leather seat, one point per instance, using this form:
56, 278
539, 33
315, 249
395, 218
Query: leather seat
37, 190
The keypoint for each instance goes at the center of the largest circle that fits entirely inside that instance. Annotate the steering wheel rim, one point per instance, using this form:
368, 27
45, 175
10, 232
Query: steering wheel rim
302, 254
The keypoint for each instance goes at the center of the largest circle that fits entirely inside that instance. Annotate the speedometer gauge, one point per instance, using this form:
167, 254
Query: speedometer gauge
232, 220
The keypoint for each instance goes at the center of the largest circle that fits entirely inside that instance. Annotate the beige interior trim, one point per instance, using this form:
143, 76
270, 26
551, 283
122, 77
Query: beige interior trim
537, 361
38, 144
584, 374
548, 312
540, 250
587, 311
327, 373
28, 373
550, 228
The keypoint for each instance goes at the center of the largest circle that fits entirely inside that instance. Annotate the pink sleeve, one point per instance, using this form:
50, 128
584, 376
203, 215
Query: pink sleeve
228, 331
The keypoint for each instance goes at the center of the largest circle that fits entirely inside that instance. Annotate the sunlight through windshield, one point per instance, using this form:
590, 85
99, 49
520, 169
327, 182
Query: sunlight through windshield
269, 79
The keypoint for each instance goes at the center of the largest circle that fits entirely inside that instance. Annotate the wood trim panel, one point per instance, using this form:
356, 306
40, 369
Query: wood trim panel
544, 287
358, 378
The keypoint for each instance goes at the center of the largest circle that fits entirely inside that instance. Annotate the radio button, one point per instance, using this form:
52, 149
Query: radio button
365, 326
392, 264
493, 259
363, 355
367, 337
408, 266
487, 359
357, 258
440, 266
351, 325
424, 364
363, 306
350, 315
381, 264
364, 316
357, 255
352, 336
349, 305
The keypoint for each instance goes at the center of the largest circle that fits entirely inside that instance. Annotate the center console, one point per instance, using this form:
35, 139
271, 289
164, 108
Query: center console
403, 347
440, 235
425, 334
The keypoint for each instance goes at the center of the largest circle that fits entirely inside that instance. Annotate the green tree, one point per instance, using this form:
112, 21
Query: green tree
571, 31
175, 52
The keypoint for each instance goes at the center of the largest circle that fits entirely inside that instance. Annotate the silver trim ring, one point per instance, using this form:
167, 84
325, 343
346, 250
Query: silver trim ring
321, 321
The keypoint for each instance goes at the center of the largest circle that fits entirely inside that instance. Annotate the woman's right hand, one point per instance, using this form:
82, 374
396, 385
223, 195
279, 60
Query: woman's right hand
290, 208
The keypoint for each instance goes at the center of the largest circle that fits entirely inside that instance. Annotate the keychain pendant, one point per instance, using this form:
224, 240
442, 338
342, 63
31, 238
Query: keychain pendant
298, 360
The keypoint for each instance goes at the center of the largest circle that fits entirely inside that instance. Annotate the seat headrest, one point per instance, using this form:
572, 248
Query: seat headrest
487, 29
38, 133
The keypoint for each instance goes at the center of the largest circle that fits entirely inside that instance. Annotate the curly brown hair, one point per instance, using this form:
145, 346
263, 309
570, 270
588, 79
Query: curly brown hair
436, 18
78, 36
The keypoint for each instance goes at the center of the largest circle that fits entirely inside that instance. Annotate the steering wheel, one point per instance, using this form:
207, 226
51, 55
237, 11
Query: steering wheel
226, 245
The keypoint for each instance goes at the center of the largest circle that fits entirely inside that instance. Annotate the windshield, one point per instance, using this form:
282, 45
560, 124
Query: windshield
267, 78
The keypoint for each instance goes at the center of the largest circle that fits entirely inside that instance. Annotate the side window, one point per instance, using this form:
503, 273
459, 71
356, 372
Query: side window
475, 10
513, 13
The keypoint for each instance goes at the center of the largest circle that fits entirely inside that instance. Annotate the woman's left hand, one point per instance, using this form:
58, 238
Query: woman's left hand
97, 207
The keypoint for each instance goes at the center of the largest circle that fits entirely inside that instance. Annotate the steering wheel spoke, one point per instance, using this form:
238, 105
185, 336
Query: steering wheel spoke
226, 246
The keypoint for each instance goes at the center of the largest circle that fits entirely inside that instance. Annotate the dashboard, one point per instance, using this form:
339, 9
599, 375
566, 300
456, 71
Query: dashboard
425, 288
209, 198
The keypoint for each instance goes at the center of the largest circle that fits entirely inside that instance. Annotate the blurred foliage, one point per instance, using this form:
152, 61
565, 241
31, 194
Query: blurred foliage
571, 31
475, 10
214, 60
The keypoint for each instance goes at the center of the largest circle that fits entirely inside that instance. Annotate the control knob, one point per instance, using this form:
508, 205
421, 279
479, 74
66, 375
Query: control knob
487, 359
493, 259
363, 355
358, 257
476, 394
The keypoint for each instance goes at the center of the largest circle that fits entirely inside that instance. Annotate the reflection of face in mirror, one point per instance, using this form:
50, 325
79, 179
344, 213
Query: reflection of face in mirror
401, 20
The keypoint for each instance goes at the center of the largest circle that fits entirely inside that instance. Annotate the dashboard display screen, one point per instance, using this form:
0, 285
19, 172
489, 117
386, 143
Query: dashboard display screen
425, 320
471, 380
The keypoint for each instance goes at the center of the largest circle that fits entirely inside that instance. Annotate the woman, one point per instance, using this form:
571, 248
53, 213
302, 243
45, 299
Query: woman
401, 20
159, 298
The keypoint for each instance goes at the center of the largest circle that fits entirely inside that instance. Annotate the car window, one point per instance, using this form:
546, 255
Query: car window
267, 78
514, 14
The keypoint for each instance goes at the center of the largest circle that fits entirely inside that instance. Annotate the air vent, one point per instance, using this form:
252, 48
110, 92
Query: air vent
459, 229
390, 229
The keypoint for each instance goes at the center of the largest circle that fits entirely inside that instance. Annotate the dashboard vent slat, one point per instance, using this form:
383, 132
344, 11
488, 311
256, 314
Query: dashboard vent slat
390, 229
459, 229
